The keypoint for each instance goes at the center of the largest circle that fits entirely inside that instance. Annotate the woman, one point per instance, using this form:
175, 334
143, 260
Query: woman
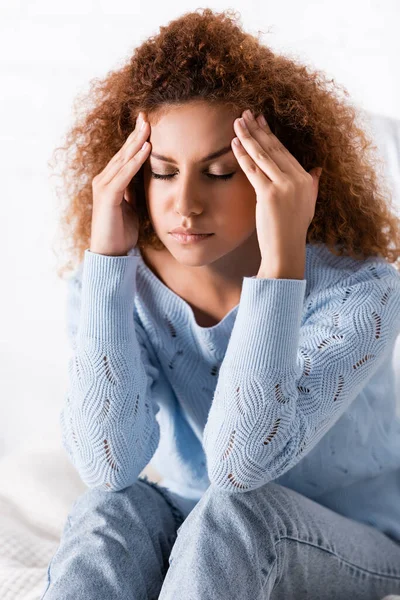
251, 365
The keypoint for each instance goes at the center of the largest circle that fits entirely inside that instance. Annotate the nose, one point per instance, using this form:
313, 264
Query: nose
187, 203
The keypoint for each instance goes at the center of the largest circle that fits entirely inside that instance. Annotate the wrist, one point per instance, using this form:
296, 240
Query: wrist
290, 272
289, 267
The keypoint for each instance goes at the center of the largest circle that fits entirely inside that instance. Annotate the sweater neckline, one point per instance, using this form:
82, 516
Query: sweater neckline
181, 302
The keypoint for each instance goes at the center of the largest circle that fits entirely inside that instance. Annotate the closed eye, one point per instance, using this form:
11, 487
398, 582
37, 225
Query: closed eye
210, 175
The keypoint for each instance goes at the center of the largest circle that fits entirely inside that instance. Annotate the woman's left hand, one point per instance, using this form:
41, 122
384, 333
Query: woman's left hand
286, 197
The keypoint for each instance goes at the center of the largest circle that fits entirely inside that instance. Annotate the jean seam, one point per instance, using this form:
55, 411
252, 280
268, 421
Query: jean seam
49, 568
66, 528
47, 580
344, 560
272, 565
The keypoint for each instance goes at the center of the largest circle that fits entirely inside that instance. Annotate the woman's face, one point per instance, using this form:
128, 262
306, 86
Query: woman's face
191, 196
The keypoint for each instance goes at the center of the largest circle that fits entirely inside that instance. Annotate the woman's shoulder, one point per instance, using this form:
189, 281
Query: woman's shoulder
325, 269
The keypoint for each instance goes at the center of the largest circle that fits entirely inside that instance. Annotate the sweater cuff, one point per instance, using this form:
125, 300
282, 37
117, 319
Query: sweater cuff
266, 331
108, 293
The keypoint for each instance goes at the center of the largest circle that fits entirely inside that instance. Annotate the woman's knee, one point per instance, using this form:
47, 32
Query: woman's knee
121, 503
271, 503
137, 505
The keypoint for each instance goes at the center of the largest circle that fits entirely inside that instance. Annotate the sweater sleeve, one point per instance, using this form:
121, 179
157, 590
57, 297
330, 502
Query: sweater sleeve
108, 423
288, 374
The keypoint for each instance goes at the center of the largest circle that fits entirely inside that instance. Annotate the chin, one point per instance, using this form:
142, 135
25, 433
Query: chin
198, 255
191, 258
193, 254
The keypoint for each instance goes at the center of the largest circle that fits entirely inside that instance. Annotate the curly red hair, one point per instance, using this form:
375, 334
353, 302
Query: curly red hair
207, 56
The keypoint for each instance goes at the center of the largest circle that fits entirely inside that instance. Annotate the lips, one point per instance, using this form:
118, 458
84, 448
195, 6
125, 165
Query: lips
185, 238
189, 231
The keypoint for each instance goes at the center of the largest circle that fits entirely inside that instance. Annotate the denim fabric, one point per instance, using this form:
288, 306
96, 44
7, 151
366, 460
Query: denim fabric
271, 542
115, 545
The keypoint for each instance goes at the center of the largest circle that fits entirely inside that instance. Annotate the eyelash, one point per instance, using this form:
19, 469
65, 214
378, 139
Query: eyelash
211, 175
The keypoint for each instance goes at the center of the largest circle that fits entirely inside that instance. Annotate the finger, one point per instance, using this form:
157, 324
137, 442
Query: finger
119, 173
253, 172
126, 148
256, 155
274, 147
131, 150
276, 143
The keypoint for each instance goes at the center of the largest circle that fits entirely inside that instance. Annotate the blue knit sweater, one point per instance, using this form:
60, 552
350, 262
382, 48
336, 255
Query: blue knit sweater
295, 384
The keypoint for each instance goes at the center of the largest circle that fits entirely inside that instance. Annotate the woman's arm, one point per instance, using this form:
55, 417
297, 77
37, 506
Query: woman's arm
108, 423
287, 377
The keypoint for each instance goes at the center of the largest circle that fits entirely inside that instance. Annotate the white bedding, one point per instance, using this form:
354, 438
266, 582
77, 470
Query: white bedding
38, 487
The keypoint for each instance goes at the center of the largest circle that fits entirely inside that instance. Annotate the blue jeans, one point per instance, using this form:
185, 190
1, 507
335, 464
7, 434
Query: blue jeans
267, 543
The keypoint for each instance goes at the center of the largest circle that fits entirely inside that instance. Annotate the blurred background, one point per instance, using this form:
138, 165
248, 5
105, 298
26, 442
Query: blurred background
49, 52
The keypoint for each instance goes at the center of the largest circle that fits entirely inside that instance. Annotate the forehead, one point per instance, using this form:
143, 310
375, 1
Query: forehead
192, 110
193, 130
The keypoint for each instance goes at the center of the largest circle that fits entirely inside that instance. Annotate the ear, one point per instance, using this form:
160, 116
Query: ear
316, 174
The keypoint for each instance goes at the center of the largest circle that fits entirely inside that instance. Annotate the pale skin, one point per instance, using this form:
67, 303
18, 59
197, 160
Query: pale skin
209, 275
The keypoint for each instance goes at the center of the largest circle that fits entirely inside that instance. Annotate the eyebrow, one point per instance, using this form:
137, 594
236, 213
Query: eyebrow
216, 154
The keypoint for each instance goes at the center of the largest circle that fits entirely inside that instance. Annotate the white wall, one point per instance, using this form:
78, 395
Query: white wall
49, 52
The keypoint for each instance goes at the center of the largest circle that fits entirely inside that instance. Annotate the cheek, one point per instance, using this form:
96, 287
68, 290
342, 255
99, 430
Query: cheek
243, 201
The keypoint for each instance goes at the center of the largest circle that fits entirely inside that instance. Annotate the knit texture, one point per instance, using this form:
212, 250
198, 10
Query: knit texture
294, 385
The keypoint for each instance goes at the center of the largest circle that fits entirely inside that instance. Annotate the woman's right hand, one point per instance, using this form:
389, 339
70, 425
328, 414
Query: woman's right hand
115, 223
